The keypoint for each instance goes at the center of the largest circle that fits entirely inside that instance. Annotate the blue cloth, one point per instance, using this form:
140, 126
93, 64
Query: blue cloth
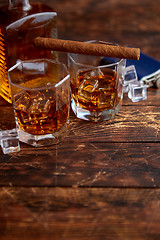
144, 66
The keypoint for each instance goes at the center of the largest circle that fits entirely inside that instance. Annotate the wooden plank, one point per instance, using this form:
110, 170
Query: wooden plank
132, 124
79, 213
83, 164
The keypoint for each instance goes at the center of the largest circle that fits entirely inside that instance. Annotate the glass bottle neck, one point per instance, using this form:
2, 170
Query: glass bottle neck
24, 4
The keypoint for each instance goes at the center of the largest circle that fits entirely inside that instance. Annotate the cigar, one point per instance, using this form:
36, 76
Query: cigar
87, 48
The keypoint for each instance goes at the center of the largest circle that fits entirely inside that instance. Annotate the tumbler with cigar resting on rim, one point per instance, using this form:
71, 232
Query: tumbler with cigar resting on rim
96, 89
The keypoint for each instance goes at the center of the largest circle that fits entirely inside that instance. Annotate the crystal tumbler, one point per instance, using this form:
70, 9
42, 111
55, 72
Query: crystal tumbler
96, 89
41, 98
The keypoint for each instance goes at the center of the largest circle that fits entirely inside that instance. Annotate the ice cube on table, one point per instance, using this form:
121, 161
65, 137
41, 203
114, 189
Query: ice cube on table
137, 91
9, 141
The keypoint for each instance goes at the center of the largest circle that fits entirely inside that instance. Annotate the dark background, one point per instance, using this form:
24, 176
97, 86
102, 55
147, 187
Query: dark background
134, 22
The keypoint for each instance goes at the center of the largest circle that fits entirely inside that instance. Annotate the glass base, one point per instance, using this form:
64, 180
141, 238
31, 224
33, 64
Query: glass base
43, 140
94, 116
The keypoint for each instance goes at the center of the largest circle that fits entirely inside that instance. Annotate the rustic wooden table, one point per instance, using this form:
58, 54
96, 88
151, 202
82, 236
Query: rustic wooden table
102, 181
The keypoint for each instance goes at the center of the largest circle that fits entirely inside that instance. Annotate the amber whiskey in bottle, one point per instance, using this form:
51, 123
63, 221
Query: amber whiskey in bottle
20, 23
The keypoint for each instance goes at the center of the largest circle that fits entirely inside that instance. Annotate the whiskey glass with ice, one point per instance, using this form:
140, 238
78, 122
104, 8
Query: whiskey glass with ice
41, 99
96, 88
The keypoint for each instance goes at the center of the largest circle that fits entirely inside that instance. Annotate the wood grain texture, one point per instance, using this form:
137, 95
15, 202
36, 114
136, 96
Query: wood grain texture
91, 213
103, 180
84, 164
132, 124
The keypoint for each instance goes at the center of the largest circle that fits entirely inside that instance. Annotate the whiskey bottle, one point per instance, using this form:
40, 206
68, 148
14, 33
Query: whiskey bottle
20, 22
